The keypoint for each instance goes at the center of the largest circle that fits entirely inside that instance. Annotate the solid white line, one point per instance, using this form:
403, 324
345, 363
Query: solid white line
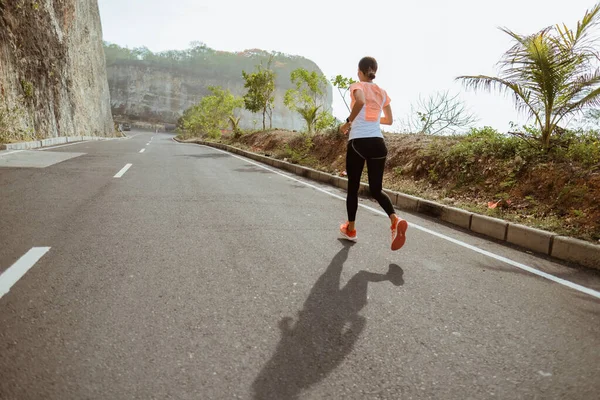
142, 150
62, 145
20, 268
11, 152
122, 171
516, 264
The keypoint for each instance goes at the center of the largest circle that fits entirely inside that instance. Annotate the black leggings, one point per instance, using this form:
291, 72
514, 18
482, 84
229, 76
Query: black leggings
373, 151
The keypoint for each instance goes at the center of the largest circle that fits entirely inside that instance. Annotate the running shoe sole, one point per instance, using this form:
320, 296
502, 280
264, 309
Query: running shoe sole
400, 238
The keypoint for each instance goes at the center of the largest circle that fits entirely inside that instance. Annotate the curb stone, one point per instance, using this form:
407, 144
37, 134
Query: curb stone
543, 242
456, 216
430, 208
530, 238
407, 202
488, 226
575, 250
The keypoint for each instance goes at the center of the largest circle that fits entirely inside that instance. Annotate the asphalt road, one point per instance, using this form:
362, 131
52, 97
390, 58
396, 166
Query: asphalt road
199, 275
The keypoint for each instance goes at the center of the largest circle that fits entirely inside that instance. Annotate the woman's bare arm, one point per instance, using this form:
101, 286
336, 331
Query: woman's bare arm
388, 119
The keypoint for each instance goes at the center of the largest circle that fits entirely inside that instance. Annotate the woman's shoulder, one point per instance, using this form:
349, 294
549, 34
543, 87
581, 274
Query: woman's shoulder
378, 87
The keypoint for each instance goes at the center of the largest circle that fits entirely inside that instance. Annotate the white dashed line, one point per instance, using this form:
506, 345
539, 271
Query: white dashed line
142, 150
122, 171
20, 268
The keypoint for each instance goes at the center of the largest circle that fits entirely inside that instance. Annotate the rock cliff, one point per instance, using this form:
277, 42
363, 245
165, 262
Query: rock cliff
158, 87
52, 70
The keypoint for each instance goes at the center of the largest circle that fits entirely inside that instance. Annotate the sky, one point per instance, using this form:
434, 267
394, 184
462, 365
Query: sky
421, 45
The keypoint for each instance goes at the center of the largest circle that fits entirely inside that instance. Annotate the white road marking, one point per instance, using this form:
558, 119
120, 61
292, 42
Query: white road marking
142, 150
11, 152
122, 171
497, 257
20, 268
62, 145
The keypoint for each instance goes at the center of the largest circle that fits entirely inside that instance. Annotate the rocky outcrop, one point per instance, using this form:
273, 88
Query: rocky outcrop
52, 70
159, 87
147, 93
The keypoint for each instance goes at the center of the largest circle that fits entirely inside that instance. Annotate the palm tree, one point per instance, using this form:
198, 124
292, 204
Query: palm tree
552, 73
310, 114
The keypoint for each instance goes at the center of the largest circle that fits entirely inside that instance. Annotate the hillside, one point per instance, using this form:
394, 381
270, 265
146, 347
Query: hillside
158, 87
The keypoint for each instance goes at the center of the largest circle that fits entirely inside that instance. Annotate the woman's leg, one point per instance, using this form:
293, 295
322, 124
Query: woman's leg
354, 168
375, 152
375, 167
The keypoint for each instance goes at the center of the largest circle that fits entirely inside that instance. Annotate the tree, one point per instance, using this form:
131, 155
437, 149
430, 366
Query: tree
142, 53
343, 86
552, 74
261, 87
308, 96
437, 114
325, 120
213, 113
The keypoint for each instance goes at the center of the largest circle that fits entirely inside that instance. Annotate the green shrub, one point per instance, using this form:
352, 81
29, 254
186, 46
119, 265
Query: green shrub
299, 148
489, 143
466, 156
582, 147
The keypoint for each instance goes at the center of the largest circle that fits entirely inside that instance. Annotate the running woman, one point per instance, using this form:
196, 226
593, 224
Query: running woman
366, 144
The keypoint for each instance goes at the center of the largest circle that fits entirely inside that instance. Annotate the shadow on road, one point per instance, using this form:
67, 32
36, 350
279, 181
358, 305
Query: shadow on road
251, 168
205, 155
328, 326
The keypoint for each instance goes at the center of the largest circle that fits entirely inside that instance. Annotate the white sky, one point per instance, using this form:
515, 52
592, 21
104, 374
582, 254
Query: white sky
420, 45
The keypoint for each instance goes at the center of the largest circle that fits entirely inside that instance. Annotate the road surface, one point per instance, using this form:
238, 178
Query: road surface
182, 272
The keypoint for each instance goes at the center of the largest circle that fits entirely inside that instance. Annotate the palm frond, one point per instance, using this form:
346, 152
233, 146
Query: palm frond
583, 39
579, 86
592, 100
590, 19
523, 101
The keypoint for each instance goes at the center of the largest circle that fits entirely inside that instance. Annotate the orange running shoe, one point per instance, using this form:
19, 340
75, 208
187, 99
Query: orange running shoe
399, 227
346, 234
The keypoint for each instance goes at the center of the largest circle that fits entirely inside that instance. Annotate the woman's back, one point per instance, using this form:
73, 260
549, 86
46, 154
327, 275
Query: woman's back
366, 124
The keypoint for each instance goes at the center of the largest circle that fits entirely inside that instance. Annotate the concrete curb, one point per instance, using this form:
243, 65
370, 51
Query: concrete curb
542, 242
577, 251
488, 226
456, 216
51, 142
534, 239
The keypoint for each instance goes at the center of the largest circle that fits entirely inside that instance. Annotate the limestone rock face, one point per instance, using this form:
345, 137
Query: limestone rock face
159, 87
52, 70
